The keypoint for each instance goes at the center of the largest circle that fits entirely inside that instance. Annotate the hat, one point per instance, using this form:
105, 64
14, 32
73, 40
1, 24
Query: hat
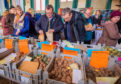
115, 13
119, 4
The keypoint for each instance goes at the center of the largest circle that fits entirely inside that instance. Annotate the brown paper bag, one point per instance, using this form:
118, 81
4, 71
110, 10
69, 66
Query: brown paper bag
49, 36
41, 37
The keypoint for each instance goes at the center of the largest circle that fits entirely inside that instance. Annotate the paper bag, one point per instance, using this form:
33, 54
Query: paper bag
41, 37
49, 36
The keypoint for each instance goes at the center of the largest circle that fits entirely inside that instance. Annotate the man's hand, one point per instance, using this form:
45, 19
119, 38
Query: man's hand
51, 30
40, 31
18, 31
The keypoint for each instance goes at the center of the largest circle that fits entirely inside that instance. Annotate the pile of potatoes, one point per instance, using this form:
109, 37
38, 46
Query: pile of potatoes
92, 73
61, 70
43, 61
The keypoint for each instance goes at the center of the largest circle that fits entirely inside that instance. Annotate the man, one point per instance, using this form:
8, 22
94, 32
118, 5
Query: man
119, 23
74, 27
50, 22
88, 26
10, 19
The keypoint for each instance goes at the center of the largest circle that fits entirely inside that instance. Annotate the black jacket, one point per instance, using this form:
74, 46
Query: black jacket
56, 24
77, 28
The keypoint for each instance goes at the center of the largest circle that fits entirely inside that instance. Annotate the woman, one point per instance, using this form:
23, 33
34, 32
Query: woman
5, 27
21, 23
88, 22
111, 34
97, 18
32, 31
10, 18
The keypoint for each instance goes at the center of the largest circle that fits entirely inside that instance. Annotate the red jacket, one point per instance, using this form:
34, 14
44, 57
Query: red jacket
6, 30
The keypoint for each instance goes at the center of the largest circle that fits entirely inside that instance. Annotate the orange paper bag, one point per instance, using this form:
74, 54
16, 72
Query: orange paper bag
8, 43
99, 59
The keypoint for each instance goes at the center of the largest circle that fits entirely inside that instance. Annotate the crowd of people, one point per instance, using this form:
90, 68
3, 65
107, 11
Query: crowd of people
70, 25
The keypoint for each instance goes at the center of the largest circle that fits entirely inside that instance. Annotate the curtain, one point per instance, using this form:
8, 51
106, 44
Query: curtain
46, 3
10, 2
21, 4
6, 4
75, 3
32, 4
57, 5
109, 4
24, 5
2, 7
88, 3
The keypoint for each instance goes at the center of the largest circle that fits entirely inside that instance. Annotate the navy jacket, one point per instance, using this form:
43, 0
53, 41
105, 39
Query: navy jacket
77, 29
57, 25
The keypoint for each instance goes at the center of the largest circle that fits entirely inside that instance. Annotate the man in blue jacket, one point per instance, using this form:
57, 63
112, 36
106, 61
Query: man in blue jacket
50, 22
74, 26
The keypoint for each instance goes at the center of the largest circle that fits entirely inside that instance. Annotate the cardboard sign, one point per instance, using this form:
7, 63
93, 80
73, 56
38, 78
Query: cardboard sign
70, 52
99, 59
106, 80
47, 47
77, 76
8, 43
23, 46
66, 57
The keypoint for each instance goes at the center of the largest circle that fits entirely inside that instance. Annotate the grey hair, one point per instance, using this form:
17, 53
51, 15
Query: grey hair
66, 10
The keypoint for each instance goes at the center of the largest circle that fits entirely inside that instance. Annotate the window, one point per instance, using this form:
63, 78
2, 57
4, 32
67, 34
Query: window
81, 4
66, 3
39, 5
97, 4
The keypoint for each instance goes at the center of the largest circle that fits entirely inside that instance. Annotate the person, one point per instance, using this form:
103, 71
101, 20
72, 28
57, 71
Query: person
37, 16
21, 23
74, 26
111, 34
32, 31
97, 18
50, 22
88, 22
5, 27
10, 18
119, 22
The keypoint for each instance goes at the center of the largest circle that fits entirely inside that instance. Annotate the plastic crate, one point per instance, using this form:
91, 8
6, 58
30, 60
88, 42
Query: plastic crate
111, 65
33, 78
6, 69
77, 59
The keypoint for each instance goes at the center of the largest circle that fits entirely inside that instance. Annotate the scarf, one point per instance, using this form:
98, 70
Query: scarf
19, 21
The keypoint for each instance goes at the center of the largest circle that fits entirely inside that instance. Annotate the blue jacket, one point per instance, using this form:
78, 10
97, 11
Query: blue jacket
37, 16
25, 30
56, 24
